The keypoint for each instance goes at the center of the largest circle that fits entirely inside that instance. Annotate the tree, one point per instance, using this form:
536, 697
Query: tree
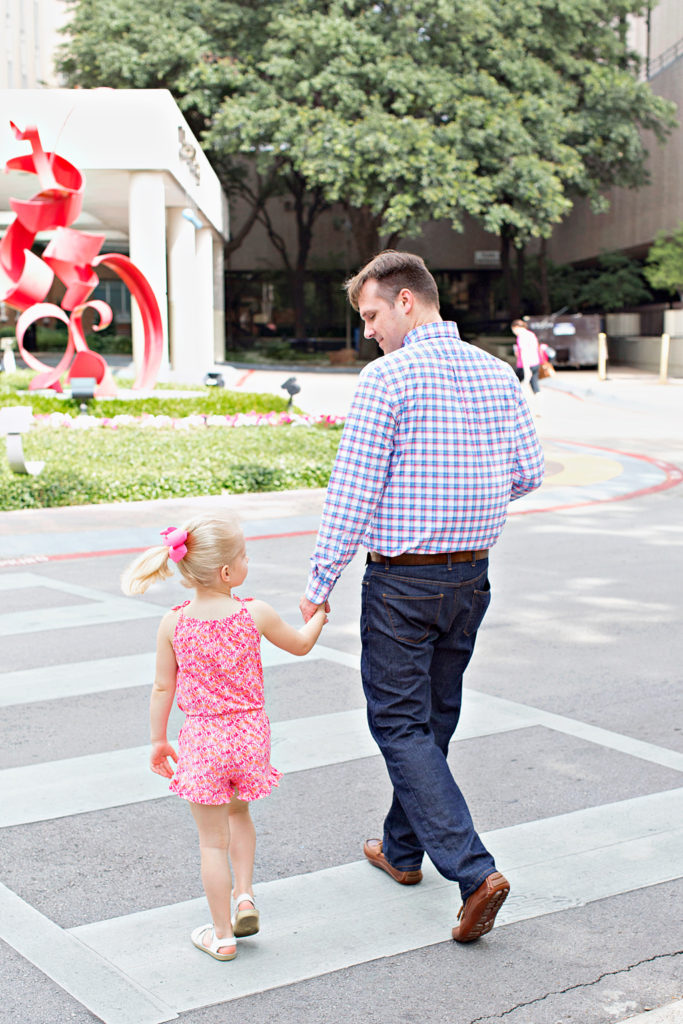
664, 264
579, 113
614, 283
403, 111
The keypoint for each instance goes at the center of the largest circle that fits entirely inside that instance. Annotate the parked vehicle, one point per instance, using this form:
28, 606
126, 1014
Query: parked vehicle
573, 336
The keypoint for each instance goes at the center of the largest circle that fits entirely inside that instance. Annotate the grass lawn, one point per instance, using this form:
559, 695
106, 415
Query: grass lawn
137, 463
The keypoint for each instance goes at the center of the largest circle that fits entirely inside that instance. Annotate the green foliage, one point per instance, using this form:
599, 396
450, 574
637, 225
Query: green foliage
615, 283
134, 464
212, 401
664, 267
404, 112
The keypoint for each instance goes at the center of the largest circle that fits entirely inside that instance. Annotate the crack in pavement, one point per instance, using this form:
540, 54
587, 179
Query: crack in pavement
573, 988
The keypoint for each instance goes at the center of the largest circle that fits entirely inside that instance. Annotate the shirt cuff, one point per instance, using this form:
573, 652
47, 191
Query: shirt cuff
319, 587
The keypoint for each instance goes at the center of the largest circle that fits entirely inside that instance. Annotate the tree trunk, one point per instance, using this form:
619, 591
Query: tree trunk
543, 277
307, 208
519, 277
506, 267
365, 228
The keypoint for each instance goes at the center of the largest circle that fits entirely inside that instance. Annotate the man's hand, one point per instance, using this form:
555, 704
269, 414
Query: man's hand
308, 609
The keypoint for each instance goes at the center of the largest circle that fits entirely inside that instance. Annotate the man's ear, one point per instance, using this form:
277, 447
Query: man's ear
406, 300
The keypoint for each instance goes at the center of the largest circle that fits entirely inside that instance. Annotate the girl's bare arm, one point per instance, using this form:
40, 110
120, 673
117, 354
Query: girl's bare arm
161, 701
281, 634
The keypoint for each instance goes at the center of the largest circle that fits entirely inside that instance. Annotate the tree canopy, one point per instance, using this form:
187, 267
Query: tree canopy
665, 262
404, 111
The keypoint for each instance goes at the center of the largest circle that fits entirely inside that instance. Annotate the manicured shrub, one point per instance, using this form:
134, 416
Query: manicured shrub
134, 463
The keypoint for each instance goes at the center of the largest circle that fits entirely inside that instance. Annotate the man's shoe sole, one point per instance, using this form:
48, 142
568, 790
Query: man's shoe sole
486, 913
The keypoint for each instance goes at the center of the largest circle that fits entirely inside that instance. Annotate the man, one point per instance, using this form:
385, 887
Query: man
437, 441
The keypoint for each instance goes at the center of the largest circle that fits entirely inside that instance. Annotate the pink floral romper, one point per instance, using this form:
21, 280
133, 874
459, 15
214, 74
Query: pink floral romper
224, 744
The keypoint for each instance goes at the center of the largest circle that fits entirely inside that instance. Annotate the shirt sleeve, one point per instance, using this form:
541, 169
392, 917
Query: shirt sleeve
356, 486
529, 463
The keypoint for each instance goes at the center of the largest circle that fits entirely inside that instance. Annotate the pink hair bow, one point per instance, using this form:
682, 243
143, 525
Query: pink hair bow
175, 539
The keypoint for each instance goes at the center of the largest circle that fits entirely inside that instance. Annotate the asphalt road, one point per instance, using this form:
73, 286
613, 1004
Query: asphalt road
570, 753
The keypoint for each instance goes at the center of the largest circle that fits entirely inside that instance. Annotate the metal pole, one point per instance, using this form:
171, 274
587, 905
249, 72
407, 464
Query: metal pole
664, 358
602, 356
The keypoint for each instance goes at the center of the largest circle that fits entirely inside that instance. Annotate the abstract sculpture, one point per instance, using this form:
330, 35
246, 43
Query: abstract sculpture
71, 256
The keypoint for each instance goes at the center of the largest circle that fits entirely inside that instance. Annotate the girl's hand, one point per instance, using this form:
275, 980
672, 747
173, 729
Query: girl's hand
158, 760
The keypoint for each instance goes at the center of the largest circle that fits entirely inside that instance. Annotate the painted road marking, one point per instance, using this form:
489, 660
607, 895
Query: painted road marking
73, 679
77, 785
87, 975
555, 864
99, 608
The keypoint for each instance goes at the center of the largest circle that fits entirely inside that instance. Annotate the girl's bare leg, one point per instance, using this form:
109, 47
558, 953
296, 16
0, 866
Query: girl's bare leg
242, 846
214, 842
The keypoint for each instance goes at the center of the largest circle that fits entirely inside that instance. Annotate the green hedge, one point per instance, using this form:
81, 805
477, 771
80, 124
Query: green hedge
134, 463
210, 400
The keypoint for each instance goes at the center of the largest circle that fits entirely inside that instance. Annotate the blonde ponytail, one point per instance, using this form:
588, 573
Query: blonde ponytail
151, 565
212, 540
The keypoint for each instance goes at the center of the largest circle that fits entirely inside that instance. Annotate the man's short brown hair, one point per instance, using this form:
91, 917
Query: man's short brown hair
394, 271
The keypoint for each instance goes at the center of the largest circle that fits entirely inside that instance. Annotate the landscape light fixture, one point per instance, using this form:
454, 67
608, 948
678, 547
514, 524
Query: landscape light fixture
292, 388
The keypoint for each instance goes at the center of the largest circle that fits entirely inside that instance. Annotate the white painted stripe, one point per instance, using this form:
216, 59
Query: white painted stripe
318, 922
24, 580
100, 612
77, 678
93, 782
74, 679
84, 973
528, 715
99, 609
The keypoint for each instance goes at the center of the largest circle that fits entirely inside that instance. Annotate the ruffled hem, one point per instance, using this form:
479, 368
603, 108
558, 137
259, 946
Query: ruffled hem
197, 796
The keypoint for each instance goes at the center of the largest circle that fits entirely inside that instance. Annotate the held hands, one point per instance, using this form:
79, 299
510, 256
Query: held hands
308, 609
158, 760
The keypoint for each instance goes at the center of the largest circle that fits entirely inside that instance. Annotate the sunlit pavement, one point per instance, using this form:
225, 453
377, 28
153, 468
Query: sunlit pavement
570, 752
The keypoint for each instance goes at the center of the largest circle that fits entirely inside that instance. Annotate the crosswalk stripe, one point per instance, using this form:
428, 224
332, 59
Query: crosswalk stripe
73, 679
114, 778
95, 781
84, 973
317, 923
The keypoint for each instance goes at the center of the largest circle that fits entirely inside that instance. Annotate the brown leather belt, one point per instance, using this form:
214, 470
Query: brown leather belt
416, 558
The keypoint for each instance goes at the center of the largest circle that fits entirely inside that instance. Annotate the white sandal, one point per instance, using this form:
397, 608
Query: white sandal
245, 922
216, 943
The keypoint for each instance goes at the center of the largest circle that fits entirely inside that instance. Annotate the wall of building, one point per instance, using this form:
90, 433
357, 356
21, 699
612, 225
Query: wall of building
634, 216
28, 37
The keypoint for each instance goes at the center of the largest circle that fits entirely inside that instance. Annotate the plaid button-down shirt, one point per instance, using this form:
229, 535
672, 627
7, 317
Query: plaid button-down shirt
438, 440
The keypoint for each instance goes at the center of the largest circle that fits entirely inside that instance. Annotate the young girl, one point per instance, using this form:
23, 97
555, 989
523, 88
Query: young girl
208, 652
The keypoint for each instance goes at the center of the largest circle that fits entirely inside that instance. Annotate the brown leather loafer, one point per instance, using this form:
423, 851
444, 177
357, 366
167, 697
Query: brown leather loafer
372, 849
479, 911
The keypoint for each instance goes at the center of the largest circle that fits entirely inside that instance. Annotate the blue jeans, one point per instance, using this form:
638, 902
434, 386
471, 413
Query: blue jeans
418, 627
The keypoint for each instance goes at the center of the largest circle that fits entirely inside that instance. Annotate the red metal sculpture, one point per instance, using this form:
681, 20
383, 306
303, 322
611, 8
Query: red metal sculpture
72, 256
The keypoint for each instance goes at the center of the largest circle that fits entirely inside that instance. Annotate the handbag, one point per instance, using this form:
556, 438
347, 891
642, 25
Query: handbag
546, 370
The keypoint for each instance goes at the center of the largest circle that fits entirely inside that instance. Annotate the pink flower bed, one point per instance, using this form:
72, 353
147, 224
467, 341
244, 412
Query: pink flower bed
247, 419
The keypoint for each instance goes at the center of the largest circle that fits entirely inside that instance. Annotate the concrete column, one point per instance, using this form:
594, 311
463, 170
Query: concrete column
218, 300
147, 234
186, 363
204, 299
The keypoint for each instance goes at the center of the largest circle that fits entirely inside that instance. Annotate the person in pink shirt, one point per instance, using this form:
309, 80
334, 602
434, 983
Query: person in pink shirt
529, 354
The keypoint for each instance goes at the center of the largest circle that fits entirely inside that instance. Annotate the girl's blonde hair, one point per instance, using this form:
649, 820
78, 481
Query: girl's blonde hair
213, 540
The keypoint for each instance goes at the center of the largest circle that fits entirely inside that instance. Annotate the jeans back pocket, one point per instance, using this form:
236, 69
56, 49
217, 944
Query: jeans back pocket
411, 618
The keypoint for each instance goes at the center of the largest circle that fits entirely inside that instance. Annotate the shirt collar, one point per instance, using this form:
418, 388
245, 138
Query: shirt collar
428, 332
